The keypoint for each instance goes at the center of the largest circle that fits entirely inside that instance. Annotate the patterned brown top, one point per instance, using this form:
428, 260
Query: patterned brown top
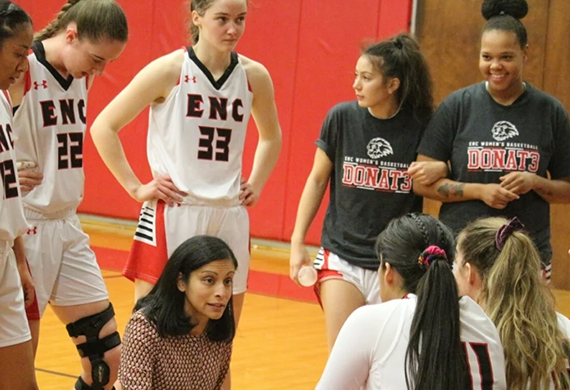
187, 362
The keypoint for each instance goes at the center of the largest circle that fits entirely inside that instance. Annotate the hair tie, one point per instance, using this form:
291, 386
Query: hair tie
397, 43
506, 231
431, 254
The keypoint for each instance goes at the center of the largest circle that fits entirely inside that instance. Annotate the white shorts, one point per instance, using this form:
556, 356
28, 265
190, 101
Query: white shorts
330, 266
162, 229
14, 327
63, 266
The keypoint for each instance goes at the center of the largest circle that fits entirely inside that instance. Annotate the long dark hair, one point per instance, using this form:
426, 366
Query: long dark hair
504, 15
95, 19
401, 58
164, 305
11, 17
435, 358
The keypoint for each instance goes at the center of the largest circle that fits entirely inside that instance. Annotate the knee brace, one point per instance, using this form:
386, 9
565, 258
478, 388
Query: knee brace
95, 348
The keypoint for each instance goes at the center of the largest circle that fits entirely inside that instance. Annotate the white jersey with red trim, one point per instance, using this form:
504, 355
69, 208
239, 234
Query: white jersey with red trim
370, 351
12, 221
197, 135
50, 126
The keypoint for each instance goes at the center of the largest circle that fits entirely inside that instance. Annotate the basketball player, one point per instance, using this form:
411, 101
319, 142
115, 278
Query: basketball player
498, 265
16, 353
364, 150
502, 138
200, 101
50, 124
420, 336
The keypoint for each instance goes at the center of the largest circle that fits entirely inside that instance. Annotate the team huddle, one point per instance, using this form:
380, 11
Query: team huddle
410, 301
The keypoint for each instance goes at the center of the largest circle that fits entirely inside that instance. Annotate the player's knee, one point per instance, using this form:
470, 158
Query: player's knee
102, 348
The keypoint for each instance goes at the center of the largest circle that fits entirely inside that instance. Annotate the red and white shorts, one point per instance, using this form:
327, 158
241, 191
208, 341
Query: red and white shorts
330, 266
13, 323
162, 229
63, 266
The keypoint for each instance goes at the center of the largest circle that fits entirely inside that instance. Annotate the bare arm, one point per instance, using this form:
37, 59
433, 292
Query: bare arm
264, 113
553, 191
446, 190
309, 204
151, 86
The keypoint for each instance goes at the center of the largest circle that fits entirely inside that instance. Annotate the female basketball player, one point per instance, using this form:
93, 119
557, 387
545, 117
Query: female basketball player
200, 101
50, 123
364, 150
420, 338
501, 137
181, 335
16, 352
498, 265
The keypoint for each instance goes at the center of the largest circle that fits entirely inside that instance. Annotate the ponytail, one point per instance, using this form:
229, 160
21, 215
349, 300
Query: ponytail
95, 19
517, 300
401, 58
436, 328
435, 358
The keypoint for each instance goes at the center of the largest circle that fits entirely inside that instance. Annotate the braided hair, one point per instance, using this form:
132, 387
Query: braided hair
11, 18
422, 250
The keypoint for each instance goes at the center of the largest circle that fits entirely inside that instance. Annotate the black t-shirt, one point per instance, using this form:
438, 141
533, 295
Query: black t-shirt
484, 140
369, 184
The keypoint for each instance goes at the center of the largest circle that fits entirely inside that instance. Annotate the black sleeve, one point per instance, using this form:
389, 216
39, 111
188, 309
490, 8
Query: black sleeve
437, 141
329, 134
559, 166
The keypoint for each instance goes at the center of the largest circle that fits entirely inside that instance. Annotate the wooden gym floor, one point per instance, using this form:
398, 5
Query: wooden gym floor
280, 344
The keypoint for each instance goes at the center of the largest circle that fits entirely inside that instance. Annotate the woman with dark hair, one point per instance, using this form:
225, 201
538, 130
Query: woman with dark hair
507, 142
420, 336
498, 265
50, 123
365, 152
181, 333
16, 353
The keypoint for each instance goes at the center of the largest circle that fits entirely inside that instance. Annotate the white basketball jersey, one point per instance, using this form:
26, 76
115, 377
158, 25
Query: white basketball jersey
370, 350
197, 135
50, 126
12, 221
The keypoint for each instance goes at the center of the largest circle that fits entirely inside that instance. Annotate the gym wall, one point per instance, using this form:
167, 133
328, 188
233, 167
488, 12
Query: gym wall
310, 48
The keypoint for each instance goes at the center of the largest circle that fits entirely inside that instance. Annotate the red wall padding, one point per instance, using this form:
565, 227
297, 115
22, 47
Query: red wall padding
310, 48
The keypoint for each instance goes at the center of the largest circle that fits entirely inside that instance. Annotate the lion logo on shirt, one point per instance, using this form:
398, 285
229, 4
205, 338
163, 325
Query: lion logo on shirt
504, 130
379, 147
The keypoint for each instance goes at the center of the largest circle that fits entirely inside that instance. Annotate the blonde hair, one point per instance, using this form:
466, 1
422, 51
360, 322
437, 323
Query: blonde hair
95, 19
519, 303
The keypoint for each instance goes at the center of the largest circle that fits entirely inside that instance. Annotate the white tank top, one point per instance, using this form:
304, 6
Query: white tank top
197, 135
12, 221
50, 124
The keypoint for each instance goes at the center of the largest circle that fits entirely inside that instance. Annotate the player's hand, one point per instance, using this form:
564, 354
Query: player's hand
427, 172
496, 196
27, 283
299, 257
518, 182
29, 179
161, 188
247, 195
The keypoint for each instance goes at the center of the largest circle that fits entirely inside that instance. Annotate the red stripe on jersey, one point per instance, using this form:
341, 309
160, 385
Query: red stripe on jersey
7, 95
249, 86
87, 82
138, 266
27, 82
178, 81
